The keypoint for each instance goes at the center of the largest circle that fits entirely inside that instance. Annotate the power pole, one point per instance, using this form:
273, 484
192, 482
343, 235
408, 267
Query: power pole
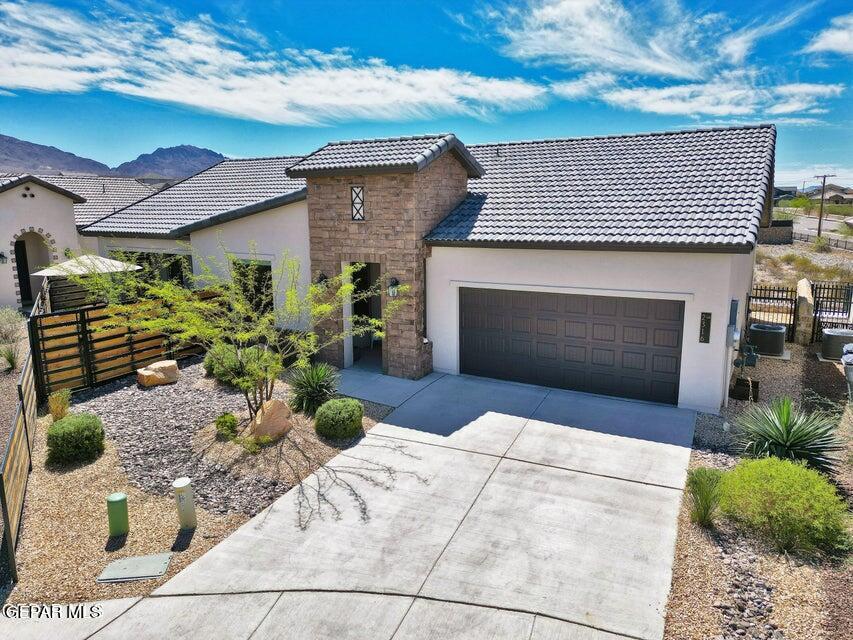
822, 195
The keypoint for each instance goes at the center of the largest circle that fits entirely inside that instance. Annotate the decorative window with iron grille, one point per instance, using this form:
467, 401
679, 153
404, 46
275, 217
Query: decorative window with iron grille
357, 199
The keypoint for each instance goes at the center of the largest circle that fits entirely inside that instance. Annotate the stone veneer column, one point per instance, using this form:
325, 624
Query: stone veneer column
400, 209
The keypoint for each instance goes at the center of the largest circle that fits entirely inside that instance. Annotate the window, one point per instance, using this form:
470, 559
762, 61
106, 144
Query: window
168, 266
357, 199
255, 279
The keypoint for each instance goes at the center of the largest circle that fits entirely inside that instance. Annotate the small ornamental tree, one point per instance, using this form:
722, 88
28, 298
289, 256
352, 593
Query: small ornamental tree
256, 313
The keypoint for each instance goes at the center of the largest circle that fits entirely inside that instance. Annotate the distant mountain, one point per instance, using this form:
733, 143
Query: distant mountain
22, 156
172, 162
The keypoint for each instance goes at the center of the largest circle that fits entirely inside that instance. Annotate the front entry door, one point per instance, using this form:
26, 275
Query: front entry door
23, 271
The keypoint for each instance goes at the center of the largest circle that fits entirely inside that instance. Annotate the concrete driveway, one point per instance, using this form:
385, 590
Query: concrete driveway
478, 509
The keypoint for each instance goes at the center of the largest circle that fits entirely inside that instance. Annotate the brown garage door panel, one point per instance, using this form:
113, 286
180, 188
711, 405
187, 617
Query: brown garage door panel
627, 347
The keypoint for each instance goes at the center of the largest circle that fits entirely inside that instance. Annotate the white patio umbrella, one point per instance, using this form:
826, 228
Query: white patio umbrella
81, 265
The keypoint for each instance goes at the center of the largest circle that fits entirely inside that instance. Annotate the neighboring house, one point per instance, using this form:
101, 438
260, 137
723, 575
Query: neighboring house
784, 193
528, 261
833, 194
40, 216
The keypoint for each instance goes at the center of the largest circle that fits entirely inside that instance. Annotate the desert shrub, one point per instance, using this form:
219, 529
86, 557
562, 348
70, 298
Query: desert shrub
821, 245
253, 444
11, 325
788, 504
10, 354
75, 438
311, 386
703, 487
58, 403
783, 430
338, 419
226, 426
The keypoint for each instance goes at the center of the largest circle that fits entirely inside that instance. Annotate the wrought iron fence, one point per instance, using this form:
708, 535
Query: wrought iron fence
833, 307
773, 305
837, 243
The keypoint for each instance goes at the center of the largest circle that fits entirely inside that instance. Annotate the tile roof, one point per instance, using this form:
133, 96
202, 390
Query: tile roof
404, 155
226, 191
692, 189
12, 180
104, 194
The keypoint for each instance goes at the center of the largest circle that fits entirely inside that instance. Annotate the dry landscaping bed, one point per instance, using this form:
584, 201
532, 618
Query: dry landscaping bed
64, 539
727, 585
154, 435
784, 265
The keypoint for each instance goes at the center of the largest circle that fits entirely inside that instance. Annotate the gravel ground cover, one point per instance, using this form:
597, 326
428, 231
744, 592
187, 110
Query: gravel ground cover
64, 540
770, 270
155, 431
727, 585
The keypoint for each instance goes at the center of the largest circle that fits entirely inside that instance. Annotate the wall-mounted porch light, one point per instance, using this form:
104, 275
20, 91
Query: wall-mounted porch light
322, 278
393, 287
3, 258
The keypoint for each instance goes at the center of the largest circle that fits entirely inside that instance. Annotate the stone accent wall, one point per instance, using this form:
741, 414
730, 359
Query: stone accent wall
399, 210
776, 234
805, 312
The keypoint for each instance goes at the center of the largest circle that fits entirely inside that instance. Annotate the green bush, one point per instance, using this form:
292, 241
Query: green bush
226, 426
339, 419
311, 386
10, 353
788, 504
58, 403
783, 430
11, 325
703, 487
821, 245
253, 444
75, 438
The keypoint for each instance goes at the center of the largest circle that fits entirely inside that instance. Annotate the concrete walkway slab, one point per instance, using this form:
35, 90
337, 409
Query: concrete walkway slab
332, 616
94, 616
366, 384
468, 413
633, 459
429, 620
588, 549
233, 616
551, 629
385, 537
614, 416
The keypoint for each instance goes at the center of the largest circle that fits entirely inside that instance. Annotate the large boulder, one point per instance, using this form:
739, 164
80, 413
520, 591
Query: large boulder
162, 372
272, 420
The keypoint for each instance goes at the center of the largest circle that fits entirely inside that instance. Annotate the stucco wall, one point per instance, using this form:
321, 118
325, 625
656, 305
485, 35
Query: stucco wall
705, 282
107, 244
48, 214
274, 234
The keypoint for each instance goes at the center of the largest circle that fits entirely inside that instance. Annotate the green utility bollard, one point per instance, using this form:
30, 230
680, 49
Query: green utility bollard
117, 514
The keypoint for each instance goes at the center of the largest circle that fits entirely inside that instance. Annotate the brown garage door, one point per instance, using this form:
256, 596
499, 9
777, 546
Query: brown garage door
627, 347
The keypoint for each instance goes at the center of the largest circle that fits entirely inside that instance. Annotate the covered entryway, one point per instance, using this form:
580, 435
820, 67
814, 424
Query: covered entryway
629, 347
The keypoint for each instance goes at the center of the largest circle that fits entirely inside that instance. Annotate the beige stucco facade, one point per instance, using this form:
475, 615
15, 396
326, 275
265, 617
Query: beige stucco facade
706, 282
44, 220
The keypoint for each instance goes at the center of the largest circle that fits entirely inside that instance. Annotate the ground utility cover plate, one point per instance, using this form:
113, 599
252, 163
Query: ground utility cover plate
136, 568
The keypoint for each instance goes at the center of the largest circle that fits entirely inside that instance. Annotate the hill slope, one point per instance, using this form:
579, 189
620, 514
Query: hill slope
20, 156
172, 162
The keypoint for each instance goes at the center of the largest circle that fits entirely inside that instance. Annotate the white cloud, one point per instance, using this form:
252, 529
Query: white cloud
201, 64
736, 46
795, 174
802, 96
585, 86
731, 93
602, 35
837, 38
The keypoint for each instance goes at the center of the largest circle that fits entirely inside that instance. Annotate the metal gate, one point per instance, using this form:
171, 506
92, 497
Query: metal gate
773, 305
833, 307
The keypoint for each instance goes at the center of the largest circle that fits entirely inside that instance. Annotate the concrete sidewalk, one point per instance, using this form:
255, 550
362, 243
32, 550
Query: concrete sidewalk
478, 509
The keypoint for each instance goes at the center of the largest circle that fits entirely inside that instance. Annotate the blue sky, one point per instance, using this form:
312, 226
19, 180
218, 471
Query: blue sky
112, 79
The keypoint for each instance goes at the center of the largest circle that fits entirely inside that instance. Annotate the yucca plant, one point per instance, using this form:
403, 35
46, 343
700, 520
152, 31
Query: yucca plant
311, 386
783, 430
703, 487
